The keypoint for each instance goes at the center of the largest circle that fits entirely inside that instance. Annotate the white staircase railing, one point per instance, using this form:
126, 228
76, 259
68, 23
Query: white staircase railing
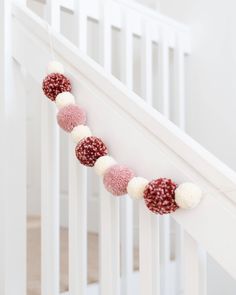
176, 155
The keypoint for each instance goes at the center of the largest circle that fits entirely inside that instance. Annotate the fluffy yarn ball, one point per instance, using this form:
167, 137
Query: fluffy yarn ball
89, 149
159, 196
55, 67
188, 195
136, 187
54, 84
70, 116
102, 164
80, 132
116, 179
64, 99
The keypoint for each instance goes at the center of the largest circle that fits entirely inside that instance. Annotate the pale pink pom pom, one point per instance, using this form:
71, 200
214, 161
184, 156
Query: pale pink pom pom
116, 179
70, 116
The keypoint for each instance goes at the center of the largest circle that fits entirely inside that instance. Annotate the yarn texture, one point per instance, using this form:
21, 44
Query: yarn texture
70, 116
80, 132
64, 98
102, 164
159, 196
136, 187
116, 179
54, 84
188, 195
89, 149
55, 67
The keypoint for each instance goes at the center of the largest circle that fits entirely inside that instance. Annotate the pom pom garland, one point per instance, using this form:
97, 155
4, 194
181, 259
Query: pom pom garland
103, 163
116, 179
89, 150
80, 132
55, 67
64, 99
136, 187
70, 116
161, 196
54, 84
188, 195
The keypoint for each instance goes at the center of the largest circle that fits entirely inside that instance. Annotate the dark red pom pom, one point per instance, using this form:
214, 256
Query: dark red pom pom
54, 84
89, 150
159, 196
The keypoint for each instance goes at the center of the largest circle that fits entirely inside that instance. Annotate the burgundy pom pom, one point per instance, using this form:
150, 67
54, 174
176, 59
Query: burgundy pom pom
159, 196
89, 149
116, 179
71, 116
54, 84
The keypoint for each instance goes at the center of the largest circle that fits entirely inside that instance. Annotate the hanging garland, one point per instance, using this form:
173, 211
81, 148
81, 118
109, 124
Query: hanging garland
161, 196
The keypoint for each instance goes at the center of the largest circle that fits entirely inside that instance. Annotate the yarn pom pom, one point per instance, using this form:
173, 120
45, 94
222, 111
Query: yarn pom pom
70, 116
116, 179
55, 67
159, 196
64, 99
188, 195
54, 84
102, 164
89, 149
80, 132
136, 187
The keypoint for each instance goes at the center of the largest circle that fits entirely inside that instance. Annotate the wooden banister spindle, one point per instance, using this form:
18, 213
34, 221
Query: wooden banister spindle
50, 189
13, 164
126, 202
149, 242
109, 235
77, 224
80, 18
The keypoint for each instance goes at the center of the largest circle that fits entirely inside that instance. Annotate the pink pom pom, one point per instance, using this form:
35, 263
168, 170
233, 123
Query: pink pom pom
159, 196
54, 84
116, 179
89, 149
70, 116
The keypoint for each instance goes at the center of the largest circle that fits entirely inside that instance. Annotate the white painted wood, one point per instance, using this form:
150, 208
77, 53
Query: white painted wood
146, 65
77, 225
126, 202
177, 155
149, 259
13, 171
80, 18
49, 199
191, 266
109, 244
105, 34
126, 245
52, 14
179, 86
138, 14
127, 52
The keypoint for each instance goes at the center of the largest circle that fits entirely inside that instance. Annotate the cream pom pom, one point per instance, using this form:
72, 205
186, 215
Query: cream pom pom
136, 187
102, 164
55, 67
64, 98
80, 132
188, 195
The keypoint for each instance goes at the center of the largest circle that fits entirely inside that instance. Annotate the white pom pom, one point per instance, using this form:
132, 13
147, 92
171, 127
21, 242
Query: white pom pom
102, 164
79, 132
55, 67
188, 195
136, 187
64, 99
